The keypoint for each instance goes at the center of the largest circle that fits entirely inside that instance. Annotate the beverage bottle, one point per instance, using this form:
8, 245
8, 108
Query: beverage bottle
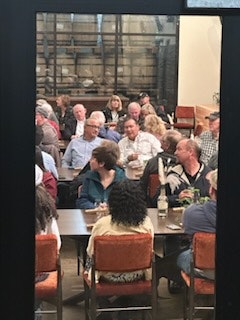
162, 202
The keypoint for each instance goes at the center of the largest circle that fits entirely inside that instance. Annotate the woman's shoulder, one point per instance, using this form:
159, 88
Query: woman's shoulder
122, 112
48, 176
91, 175
102, 226
106, 110
148, 221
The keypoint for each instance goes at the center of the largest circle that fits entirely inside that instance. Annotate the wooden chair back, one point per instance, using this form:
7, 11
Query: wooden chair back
47, 261
203, 258
204, 250
46, 253
119, 254
123, 253
185, 112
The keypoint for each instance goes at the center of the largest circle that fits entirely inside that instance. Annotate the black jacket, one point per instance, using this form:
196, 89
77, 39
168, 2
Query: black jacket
152, 167
108, 114
177, 181
70, 129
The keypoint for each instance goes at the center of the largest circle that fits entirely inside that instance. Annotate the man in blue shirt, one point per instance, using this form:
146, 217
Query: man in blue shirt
196, 218
200, 218
79, 150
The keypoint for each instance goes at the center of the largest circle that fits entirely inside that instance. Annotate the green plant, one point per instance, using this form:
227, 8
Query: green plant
203, 199
186, 201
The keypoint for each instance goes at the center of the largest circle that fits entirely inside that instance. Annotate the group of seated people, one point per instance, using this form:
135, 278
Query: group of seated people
105, 144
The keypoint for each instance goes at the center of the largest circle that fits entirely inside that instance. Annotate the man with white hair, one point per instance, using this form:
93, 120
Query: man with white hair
105, 132
51, 115
74, 127
79, 150
49, 141
52, 119
134, 112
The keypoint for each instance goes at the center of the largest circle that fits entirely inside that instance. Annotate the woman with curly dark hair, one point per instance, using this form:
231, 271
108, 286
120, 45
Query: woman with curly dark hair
45, 209
45, 221
128, 215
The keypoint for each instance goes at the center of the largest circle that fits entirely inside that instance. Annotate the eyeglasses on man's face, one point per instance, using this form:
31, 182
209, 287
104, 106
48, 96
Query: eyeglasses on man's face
93, 126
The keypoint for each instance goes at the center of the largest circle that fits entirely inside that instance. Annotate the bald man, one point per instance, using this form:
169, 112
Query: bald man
74, 127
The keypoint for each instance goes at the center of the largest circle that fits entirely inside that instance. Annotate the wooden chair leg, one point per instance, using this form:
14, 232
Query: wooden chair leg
86, 301
93, 306
185, 302
78, 245
191, 305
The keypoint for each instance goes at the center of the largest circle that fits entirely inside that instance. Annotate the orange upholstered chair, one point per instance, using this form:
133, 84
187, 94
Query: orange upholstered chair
185, 118
123, 253
153, 184
48, 262
203, 257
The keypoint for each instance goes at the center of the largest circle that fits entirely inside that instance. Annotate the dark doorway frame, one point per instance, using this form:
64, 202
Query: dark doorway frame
17, 145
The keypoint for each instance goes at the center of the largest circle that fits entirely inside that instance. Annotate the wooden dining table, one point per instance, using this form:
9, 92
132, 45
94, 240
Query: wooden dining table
63, 145
67, 174
77, 224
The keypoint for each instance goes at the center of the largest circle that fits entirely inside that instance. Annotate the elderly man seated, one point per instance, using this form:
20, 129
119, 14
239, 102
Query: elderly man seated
79, 150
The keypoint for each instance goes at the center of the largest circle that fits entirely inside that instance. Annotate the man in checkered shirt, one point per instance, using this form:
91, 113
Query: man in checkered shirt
208, 140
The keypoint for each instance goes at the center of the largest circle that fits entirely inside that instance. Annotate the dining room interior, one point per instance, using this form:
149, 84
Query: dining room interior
229, 98
191, 55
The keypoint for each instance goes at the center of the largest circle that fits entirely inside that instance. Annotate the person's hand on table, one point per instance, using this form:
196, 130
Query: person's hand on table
103, 205
185, 194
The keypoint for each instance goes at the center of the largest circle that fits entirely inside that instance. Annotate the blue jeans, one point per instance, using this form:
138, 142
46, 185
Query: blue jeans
183, 260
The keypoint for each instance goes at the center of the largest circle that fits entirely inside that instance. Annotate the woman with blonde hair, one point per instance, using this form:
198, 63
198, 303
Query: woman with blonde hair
113, 110
146, 109
154, 125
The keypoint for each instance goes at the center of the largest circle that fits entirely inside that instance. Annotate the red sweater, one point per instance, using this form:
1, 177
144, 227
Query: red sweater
50, 183
56, 126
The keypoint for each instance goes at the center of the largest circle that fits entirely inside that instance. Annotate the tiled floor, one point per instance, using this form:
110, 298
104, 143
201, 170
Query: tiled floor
169, 305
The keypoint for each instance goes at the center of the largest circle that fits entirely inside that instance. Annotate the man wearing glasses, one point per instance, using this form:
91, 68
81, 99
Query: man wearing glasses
79, 150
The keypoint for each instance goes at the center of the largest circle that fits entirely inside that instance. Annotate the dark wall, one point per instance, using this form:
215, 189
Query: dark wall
17, 152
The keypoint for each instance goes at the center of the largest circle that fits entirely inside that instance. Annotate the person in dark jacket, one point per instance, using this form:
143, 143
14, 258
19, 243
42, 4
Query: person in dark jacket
144, 98
74, 126
99, 181
189, 172
113, 110
168, 143
63, 113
